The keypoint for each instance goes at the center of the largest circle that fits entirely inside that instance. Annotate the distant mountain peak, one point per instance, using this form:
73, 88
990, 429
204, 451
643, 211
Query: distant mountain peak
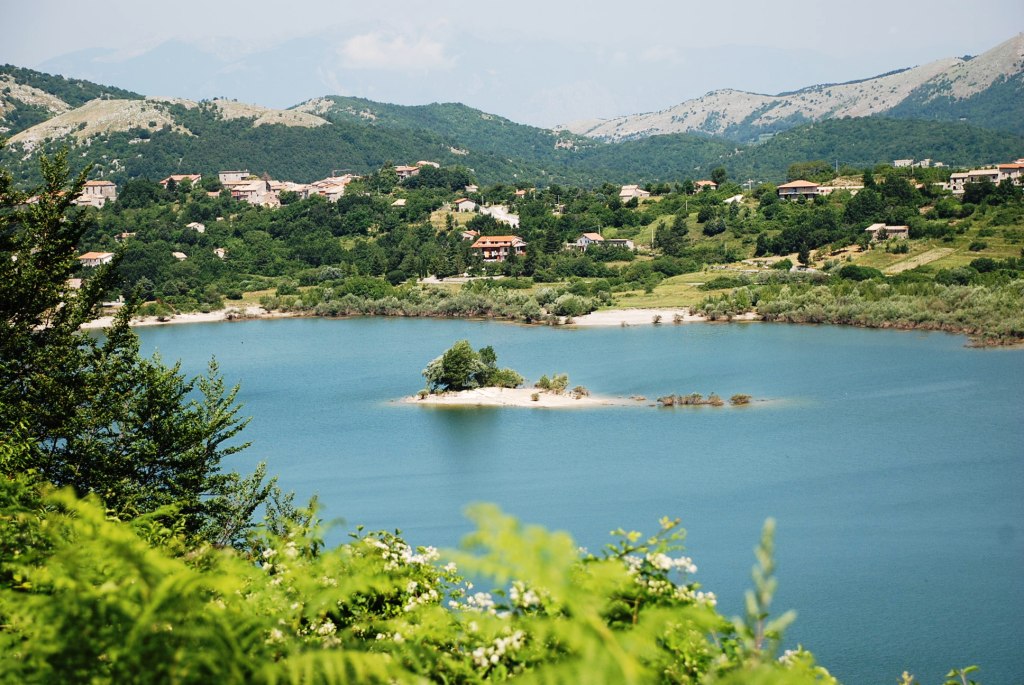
743, 115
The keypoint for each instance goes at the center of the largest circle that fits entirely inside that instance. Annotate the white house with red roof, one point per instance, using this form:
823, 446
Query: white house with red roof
497, 248
95, 258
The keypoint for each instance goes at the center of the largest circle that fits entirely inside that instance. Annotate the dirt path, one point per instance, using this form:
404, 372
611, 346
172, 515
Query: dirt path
923, 258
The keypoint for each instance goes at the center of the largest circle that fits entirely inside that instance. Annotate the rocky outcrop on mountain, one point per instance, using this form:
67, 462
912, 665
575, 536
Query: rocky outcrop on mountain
108, 116
745, 116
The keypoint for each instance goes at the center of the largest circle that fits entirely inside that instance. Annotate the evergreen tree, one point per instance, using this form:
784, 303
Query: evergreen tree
93, 414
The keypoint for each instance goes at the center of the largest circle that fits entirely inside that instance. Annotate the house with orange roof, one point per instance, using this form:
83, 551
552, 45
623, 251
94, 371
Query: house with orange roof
405, 172
586, 240
795, 190
464, 204
497, 248
704, 184
1013, 171
95, 258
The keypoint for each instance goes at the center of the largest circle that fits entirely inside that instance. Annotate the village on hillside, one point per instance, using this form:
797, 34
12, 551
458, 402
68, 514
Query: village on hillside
266, 192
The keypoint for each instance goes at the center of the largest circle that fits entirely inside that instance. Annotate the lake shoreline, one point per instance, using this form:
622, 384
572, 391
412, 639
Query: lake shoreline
601, 318
597, 319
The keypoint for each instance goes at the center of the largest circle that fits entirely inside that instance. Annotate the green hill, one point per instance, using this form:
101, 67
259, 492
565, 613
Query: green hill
998, 107
362, 135
865, 142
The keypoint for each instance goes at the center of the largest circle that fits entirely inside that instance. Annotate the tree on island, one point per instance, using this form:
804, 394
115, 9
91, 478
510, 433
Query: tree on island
463, 368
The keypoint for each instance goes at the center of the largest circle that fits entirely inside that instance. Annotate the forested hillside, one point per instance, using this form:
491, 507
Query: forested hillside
874, 140
998, 107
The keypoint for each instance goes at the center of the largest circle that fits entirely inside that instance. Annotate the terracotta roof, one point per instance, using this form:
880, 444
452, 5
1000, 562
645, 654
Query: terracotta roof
597, 237
799, 184
96, 255
496, 241
99, 183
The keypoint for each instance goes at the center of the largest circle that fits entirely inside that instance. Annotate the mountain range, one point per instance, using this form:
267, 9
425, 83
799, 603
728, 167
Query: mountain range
987, 91
962, 111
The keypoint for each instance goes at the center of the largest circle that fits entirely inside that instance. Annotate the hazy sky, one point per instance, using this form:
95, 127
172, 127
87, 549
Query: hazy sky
536, 62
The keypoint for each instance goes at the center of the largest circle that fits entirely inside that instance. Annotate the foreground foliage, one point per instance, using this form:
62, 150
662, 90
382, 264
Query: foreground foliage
89, 598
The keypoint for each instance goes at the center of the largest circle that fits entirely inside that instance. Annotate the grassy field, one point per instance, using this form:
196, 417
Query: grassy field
678, 291
437, 218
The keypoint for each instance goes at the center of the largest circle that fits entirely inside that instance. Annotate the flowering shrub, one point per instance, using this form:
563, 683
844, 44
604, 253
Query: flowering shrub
85, 598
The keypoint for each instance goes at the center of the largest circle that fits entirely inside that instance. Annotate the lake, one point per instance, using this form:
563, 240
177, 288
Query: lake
893, 462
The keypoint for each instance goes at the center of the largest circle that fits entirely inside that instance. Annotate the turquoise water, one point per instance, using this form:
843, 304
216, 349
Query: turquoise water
893, 462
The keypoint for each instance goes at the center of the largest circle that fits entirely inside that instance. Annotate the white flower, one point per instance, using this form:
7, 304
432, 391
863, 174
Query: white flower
685, 564
660, 561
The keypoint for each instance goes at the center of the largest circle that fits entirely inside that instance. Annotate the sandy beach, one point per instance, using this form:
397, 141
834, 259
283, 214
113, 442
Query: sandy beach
517, 397
608, 317
229, 314
634, 317
640, 317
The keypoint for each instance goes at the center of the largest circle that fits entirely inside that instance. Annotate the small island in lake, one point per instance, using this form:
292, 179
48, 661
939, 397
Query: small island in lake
467, 377
463, 376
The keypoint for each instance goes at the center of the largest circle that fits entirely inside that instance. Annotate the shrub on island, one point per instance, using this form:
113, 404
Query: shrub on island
556, 384
463, 368
696, 399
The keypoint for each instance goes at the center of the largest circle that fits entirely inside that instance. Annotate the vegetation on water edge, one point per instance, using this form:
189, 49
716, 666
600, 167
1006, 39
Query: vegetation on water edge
695, 399
989, 314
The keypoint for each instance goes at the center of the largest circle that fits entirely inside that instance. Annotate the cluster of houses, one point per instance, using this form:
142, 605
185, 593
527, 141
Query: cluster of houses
266, 192
498, 248
1011, 171
919, 164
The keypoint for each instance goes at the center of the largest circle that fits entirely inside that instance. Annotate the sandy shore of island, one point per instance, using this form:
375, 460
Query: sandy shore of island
640, 317
229, 314
515, 397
